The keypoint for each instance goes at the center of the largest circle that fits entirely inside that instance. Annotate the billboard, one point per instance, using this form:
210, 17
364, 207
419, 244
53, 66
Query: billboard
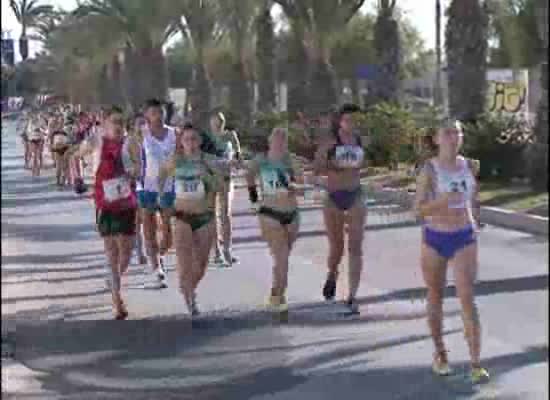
508, 91
8, 53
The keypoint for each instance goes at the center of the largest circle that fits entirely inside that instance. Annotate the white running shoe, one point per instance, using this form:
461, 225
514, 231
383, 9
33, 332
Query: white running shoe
157, 280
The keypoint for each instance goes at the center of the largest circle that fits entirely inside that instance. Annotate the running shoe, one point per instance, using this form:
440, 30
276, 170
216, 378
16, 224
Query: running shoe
161, 276
277, 304
440, 365
329, 290
352, 306
217, 260
157, 280
479, 375
194, 307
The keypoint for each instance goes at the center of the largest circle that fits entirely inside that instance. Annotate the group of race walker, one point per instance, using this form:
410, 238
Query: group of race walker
156, 186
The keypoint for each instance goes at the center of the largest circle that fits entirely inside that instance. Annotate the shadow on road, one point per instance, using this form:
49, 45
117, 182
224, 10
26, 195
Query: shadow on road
483, 288
49, 233
172, 358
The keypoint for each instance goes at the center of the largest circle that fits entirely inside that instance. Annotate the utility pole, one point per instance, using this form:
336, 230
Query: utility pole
438, 90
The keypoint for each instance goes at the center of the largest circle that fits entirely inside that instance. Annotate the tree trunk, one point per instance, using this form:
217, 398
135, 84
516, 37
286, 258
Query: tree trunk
265, 50
240, 95
297, 73
538, 155
466, 46
200, 95
323, 89
23, 43
388, 50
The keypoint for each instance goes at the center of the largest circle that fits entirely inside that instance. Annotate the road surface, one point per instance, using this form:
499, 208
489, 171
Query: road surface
59, 342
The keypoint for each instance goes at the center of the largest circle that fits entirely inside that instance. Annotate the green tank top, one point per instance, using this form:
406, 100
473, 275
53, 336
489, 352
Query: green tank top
194, 178
275, 176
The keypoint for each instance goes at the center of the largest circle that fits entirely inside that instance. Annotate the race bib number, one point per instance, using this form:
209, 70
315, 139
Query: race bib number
349, 156
272, 183
35, 135
116, 189
457, 186
190, 189
60, 140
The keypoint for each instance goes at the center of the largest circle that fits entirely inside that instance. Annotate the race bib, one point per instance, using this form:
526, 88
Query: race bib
60, 140
349, 156
116, 189
272, 183
190, 189
457, 185
35, 135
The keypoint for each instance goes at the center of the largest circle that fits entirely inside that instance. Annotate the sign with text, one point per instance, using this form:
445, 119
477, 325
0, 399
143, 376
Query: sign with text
507, 91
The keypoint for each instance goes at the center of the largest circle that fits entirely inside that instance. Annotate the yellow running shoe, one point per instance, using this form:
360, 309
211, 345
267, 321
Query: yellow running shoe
278, 304
440, 365
479, 375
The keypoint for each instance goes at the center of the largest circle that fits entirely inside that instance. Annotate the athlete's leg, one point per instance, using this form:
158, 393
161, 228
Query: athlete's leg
112, 253
278, 241
356, 231
434, 271
334, 223
202, 239
465, 271
183, 236
225, 220
150, 235
165, 229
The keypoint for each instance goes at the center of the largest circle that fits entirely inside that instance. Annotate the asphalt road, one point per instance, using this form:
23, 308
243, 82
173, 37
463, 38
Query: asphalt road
59, 342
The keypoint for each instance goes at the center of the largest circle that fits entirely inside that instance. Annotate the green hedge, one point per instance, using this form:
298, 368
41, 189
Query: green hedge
500, 142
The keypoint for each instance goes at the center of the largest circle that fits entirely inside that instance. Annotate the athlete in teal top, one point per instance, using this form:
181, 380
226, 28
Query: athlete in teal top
278, 176
198, 177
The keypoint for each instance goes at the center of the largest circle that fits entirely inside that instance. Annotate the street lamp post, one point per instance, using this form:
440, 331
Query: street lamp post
437, 92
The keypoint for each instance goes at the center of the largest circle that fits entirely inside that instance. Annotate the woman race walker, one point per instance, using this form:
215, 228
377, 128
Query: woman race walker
35, 140
115, 200
447, 200
59, 143
277, 175
341, 160
197, 179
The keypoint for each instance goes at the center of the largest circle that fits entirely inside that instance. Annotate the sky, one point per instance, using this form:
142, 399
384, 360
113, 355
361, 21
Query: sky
420, 12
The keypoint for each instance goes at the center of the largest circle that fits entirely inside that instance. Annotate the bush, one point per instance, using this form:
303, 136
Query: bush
500, 142
391, 134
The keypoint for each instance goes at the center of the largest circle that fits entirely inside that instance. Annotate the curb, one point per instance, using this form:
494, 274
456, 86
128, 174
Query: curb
508, 219
533, 224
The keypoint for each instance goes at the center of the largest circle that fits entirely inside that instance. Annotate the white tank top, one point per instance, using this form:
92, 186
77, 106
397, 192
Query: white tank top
154, 154
461, 181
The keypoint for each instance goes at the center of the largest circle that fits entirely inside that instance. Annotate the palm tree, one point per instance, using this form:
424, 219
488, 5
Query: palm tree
27, 13
387, 45
46, 24
142, 27
79, 49
239, 17
318, 21
265, 53
466, 47
201, 27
